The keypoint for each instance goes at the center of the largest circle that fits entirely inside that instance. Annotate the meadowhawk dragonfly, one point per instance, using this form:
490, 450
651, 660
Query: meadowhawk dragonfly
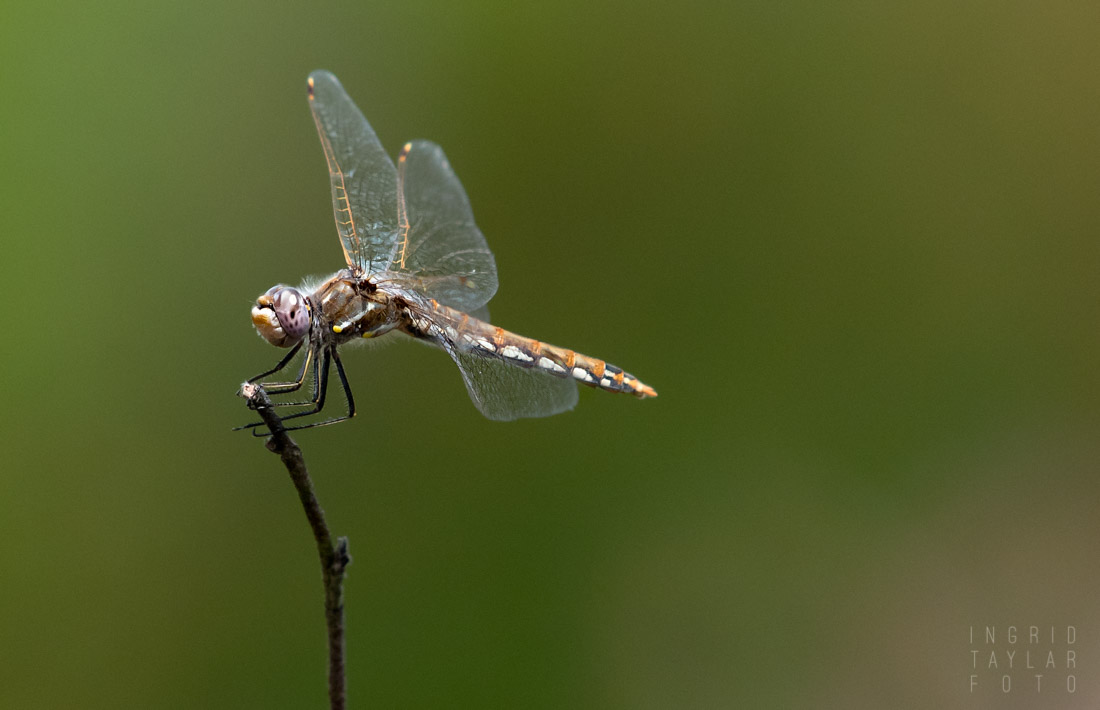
416, 264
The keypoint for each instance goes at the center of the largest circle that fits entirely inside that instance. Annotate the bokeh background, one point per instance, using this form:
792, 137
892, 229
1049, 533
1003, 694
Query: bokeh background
853, 245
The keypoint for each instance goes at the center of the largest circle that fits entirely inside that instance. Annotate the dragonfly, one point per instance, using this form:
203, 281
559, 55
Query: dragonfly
417, 264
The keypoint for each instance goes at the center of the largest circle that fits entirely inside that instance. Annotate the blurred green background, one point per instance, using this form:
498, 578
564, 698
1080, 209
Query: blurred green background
854, 246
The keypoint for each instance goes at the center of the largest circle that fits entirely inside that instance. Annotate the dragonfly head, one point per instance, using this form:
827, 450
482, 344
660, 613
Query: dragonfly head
281, 316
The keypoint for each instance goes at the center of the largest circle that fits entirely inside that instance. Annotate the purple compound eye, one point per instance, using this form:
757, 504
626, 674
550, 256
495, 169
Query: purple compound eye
292, 310
282, 316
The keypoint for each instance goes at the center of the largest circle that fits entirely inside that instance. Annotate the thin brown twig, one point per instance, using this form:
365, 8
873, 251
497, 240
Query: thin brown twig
334, 559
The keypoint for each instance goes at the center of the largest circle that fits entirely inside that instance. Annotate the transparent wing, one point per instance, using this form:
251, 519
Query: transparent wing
504, 392
364, 180
439, 248
481, 313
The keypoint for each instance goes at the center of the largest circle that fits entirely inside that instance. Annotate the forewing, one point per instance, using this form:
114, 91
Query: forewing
439, 249
364, 180
504, 392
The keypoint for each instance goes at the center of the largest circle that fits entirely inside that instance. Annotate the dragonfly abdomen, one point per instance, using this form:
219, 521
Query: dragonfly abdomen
493, 341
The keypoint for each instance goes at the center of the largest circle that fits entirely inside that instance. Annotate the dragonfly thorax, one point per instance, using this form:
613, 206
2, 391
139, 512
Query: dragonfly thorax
282, 316
350, 306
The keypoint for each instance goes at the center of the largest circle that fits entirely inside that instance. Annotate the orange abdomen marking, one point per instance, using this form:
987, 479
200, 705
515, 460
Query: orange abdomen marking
493, 341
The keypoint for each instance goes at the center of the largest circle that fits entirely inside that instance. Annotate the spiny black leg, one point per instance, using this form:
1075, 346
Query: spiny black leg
321, 389
344, 383
317, 388
288, 387
321, 386
285, 387
282, 363
347, 393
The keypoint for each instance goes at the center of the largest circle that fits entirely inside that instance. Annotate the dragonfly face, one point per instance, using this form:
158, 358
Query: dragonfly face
417, 263
282, 316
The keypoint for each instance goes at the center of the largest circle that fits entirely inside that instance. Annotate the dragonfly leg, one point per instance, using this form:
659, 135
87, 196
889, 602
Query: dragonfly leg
345, 385
347, 394
288, 387
320, 389
319, 384
322, 368
282, 363
284, 387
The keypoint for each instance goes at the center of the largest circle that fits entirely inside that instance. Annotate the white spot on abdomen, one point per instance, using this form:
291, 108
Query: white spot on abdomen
511, 351
548, 364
